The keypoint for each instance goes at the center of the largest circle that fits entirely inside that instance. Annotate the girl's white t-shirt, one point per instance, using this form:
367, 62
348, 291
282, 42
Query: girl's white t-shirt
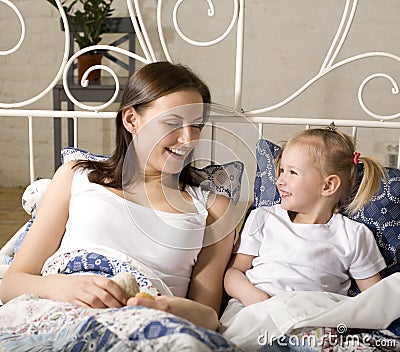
307, 257
168, 243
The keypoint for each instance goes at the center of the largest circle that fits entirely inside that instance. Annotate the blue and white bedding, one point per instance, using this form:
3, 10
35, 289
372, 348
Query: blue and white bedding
30, 323
290, 315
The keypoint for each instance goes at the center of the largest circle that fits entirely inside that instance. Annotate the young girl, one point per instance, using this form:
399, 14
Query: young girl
304, 243
137, 206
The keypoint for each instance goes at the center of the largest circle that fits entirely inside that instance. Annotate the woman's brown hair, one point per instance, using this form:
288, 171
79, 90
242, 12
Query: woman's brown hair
151, 82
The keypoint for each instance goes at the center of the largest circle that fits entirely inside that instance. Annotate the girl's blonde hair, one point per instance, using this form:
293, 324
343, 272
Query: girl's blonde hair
333, 153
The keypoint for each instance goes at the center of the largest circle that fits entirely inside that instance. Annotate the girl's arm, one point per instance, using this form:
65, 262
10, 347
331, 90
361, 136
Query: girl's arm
236, 283
42, 240
363, 284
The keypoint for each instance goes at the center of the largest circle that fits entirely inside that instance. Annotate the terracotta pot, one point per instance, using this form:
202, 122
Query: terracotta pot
87, 60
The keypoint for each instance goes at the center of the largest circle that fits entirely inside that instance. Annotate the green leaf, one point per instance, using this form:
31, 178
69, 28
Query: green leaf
87, 19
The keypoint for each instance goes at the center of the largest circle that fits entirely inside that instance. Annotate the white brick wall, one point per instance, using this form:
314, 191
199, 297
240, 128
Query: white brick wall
286, 42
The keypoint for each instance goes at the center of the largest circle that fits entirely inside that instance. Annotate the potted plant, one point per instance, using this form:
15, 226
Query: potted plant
87, 19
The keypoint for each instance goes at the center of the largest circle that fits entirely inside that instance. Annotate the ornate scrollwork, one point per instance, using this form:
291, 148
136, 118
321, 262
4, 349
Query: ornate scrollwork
84, 82
329, 65
210, 13
395, 90
22, 22
149, 55
63, 63
145, 44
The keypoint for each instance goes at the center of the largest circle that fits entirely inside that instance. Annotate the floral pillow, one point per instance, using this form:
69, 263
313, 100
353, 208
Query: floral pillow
222, 179
381, 215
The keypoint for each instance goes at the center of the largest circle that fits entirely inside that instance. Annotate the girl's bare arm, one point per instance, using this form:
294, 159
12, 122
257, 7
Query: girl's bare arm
236, 283
363, 284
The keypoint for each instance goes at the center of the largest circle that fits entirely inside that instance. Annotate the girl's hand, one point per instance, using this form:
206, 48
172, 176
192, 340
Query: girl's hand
92, 291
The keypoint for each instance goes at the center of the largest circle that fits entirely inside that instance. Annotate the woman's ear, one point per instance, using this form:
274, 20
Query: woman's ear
331, 185
129, 119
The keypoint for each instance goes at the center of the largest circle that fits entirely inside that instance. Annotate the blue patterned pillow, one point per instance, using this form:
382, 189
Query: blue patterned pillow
70, 153
265, 191
381, 215
222, 179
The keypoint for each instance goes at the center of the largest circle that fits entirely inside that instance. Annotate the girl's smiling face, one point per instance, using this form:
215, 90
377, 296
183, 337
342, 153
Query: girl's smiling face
299, 182
167, 131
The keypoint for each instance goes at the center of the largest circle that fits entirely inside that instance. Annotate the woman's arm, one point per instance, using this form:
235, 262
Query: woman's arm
206, 286
236, 283
42, 240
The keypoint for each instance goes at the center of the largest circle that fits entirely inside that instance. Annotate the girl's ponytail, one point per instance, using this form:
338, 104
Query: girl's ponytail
370, 183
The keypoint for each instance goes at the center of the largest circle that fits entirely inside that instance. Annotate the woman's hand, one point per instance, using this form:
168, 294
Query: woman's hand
159, 303
192, 311
92, 291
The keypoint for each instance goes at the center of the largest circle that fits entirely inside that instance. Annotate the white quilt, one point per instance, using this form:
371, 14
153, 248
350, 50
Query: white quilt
374, 308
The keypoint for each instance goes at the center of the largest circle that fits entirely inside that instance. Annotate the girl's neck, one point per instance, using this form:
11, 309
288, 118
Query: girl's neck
310, 218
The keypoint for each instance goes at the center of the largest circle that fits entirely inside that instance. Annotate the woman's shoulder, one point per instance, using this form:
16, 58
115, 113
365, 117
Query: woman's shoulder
205, 197
69, 174
214, 203
60, 185
65, 171
69, 170
215, 200
218, 201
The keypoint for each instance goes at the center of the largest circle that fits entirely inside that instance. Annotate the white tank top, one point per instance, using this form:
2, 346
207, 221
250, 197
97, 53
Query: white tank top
168, 243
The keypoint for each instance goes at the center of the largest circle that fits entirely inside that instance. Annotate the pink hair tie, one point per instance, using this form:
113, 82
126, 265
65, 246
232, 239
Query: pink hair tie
356, 156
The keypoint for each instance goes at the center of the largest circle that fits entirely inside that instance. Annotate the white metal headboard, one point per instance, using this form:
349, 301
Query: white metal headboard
256, 116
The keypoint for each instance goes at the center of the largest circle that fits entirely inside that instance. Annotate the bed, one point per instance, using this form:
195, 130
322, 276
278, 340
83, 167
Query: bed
234, 137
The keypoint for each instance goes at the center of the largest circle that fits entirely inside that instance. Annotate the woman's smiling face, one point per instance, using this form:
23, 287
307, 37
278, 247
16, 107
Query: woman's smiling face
167, 131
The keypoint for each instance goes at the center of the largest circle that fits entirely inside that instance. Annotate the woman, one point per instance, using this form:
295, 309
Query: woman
138, 204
